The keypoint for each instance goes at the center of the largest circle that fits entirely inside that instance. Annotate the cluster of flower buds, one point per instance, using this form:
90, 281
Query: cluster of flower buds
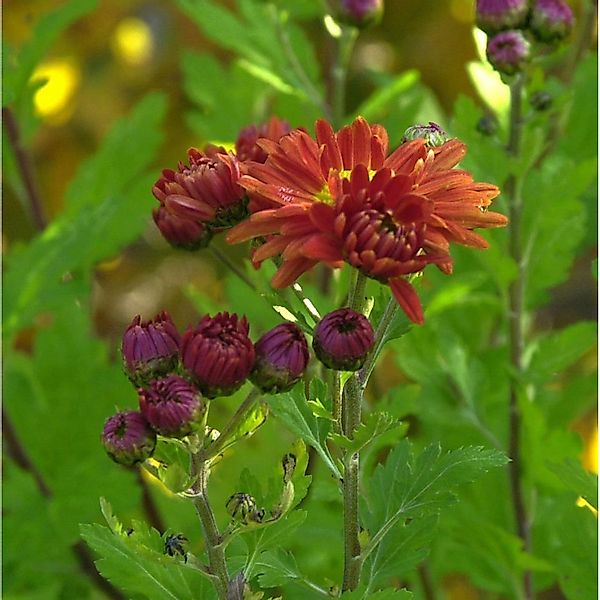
512, 24
203, 197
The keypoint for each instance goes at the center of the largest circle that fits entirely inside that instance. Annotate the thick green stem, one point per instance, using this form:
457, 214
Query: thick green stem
353, 394
214, 545
516, 327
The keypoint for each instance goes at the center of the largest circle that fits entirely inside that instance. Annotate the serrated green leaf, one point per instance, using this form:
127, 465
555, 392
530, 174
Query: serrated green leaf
130, 564
293, 411
376, 424
253, 419
275, 568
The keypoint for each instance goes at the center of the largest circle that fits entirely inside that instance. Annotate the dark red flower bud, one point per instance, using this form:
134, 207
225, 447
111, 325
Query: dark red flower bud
433, 134
172, 406
218, 354
281, 359
128, 438
508, 52
181, 233
246, 147
343, 339
494, 16
360, 13
150, 348
551, 20
206, 191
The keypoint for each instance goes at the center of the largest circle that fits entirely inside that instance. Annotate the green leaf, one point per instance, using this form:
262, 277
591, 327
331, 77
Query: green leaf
575, 478
19, 65
275, 568
389, 594
292, 410
134, 563
251, 422
105, 209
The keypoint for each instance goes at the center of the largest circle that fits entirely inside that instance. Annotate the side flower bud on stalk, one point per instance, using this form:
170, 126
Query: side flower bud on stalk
360, 13
181, 233
172, 406
281, 359
343, 339
128, 438
150, 348
218, 354
493, 16
508, 52
551, 20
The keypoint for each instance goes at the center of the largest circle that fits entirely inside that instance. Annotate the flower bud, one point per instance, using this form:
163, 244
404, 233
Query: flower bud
508, 52
246, 147
551, 20
150, 348
218, 354
242, 507
181, 233
494, 16
128, 438
487, 125
433, 134
360, 13
541, 100
281, 359
172, 406
343, 339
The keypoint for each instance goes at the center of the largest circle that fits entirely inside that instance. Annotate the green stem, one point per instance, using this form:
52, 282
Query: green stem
240, 414
225, 260
516, 327
214, 546
353, 394
339, 73
336, 409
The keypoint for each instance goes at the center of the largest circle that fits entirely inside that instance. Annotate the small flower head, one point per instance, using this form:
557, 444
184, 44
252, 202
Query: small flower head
206, 191
218, 354
150, 348
508, 52
433, 134
180, 232
360, 13
172, 406
281, 358
541, 100
494, 16
128, 438
487, 125
246, 146
551, 20
343, 339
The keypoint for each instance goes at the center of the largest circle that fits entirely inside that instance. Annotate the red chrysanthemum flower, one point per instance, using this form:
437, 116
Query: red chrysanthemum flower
342, 199
206, 192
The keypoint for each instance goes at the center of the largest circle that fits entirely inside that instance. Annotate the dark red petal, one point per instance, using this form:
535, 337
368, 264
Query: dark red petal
407, 299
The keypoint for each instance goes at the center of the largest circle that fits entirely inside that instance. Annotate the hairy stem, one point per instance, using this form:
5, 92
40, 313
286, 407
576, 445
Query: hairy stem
516, 327
212, 538
352, 404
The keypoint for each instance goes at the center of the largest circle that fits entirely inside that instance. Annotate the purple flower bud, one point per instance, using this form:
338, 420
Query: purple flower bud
494, 16
551, 20
508, 52
172, 406
433, 134
180, 232
360, 13
150, 348
246, 147
218, 354
281, 359
127, 438
343, 339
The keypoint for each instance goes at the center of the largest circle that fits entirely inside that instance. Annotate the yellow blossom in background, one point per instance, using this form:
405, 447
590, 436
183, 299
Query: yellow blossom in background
54, 100
133, 42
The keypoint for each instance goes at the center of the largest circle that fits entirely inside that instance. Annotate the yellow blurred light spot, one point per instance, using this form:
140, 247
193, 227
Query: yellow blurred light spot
54, 99
132, 41
462, 10
583, 502
590, 452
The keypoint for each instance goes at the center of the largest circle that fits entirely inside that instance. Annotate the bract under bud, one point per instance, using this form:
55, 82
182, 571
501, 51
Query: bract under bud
432, 133
508, 52
343, 339
128, 438
172, 406
360, 13
281, 358
218, 354
493, 16
551, 20
150, 348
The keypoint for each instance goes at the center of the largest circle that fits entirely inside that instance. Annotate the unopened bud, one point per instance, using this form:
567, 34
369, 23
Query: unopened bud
494, 16
551, 20
541, 100
508, 52
360, 13
128, 438
242, 507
